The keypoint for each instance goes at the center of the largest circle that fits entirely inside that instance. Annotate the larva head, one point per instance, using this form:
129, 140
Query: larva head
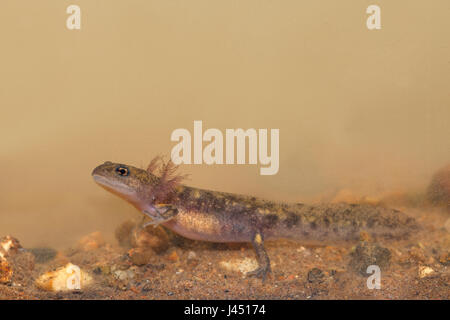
131, 183
141, 187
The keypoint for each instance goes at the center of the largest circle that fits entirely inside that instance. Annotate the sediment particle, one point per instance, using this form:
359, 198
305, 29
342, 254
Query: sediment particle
67, 278
124, 233
154, 238
130, 235
438, 192
240, 265
192, 255
315, 275
16, 263
444, 258
173, 256
124, 275
43, 255
91, 241
425, 271
6, 272
366, 254
140, 256
22, 263
9, 245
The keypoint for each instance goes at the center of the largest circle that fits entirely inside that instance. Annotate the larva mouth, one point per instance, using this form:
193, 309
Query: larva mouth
120, 189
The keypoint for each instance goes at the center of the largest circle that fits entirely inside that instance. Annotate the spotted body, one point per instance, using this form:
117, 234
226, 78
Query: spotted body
217, 216
225, 217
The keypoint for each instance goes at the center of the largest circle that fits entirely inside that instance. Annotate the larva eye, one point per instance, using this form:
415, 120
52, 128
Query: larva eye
123, 171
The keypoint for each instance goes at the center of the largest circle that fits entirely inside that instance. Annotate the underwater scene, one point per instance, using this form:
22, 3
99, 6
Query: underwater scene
256, 150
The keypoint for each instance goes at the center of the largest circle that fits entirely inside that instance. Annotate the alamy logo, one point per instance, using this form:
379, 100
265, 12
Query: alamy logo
73, 22
374, 20
235, 140
74, 278
374, 281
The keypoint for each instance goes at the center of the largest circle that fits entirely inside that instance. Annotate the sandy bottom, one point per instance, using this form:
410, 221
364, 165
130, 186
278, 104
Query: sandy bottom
166, 266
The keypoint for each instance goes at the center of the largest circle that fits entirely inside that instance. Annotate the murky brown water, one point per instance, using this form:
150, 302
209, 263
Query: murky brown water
362, 114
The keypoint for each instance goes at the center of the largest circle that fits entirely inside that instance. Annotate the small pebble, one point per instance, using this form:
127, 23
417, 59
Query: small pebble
240, 265
62, 279
191, 255
444, 258
140, 256
124, 275
315, 275
425, 271
147, 287
173, 256
179, 271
